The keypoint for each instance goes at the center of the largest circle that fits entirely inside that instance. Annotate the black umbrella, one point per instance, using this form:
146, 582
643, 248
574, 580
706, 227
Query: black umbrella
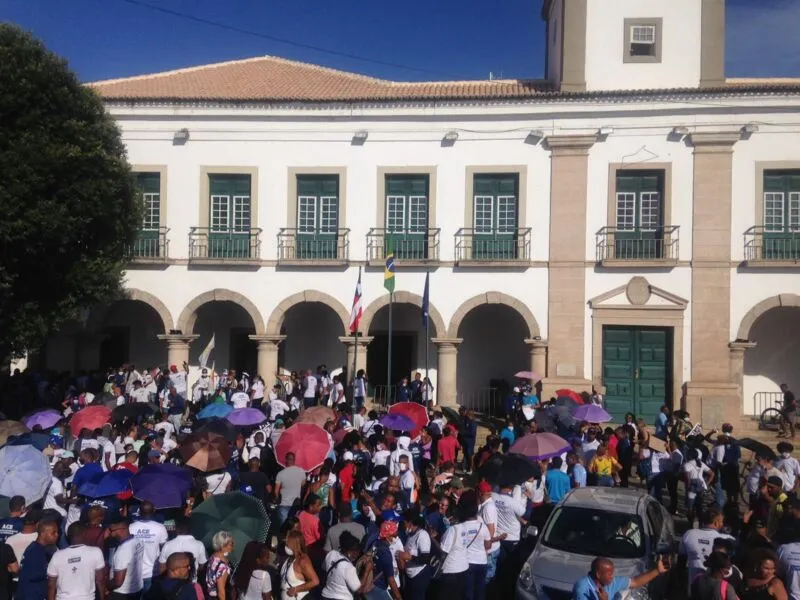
131, 411
508, 469
451, 414
759, 448
221, 427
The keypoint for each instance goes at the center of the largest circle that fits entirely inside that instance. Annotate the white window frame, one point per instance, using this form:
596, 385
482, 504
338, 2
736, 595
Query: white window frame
240, 214
482, 198
794, 211
774, 211
306, 205
151, 220
650, 211
417, 220
503, 203
392, 213
626, 212
652, 30
328, 219
218, 201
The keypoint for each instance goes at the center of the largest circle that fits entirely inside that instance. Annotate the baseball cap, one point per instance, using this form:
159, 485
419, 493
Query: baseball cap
347, 455
484, 487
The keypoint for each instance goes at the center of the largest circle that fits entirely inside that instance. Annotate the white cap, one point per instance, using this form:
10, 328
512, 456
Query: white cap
516, 390
403, 442
347, 455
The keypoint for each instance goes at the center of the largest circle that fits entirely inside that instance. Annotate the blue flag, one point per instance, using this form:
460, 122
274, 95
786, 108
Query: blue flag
426, 300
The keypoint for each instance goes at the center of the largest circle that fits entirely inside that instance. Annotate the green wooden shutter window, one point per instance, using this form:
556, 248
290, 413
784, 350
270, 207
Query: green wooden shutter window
495, 216
640, 215
230, 234
781, 216
317, 217
407, 216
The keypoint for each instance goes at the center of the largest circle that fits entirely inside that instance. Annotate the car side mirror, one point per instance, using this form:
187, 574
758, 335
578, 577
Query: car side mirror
532, 531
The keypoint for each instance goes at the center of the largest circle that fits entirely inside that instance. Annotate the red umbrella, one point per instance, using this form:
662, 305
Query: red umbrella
309, 443
415, 412
339, 435
570, 394
91, 417
317, 415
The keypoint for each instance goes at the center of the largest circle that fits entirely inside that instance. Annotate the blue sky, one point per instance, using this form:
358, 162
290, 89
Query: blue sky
464, 39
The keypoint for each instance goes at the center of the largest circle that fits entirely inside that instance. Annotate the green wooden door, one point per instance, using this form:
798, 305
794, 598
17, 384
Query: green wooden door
230, 232
640, 215
495, 217
635, 371
781, 215
407, 216
317, 217
147, 243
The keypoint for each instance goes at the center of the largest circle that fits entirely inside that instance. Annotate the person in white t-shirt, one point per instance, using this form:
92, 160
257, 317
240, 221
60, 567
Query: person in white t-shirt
277, 408
488, 514
127, 572
153, 536
698, 477
415, 558
336, 396
178, 378
309, 389
788, 465
342, 581
183, 542
239, 399
696, 544
139, 394
475, 535
76, 572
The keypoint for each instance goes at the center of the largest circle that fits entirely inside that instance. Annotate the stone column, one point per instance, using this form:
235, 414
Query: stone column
737, 350
357, 352
569, 167
538, 350
712, 397
447, 370
177, 347
267, 361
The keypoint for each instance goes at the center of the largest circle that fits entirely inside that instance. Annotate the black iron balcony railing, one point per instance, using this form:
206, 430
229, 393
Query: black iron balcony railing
223, 246
763, 245
407, 246
479, 247
316, 246
660, 244
150, 245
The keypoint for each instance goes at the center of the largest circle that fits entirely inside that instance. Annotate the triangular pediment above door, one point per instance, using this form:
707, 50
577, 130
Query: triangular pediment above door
638, 293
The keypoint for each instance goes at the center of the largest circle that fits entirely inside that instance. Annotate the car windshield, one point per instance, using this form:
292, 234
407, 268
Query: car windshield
595, 533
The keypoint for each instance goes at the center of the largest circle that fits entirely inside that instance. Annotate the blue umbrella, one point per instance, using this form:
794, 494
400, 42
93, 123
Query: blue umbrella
165, 485
37, 439
398, 422
220, 411
591, 413
106, 484
24, 471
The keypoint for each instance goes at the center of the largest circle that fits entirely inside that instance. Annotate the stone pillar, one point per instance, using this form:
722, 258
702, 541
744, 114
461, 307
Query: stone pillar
538, 350
712, 397
267, 361
357, 352
177, 347
737, 350
569, 167
447, 370
87, 351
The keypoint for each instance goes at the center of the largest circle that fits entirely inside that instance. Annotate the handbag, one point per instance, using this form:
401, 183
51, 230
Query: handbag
437, 562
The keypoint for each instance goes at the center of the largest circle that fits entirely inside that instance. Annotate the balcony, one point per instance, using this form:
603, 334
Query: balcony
764, 248
313, 249
638, 248
207, 247
410, 249
493, 249
151, 246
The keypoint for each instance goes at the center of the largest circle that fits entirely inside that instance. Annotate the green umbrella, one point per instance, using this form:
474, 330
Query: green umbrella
241, 515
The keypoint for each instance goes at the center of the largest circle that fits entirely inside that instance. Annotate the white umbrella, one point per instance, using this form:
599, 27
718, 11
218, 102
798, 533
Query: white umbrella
336, 372
24, 471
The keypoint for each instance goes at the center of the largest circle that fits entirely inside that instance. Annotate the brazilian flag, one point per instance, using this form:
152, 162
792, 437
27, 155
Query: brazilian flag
388, 272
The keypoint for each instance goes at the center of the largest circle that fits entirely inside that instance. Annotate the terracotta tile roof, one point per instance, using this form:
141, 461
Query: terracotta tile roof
272, 79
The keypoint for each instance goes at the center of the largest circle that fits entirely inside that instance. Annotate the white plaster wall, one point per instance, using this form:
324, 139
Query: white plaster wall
680, 50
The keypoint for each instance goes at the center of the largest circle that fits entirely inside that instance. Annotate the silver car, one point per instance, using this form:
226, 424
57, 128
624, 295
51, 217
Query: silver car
625, 525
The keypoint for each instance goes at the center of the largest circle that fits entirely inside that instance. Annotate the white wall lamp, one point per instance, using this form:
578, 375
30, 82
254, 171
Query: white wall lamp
750, 129
451, 136
680, 130
359, 137
605, 131
180, 137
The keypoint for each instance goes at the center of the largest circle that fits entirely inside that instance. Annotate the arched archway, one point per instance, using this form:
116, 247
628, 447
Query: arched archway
98, 316
494, 298
412, 349
230, 319
312, 322
774, 326
493, 327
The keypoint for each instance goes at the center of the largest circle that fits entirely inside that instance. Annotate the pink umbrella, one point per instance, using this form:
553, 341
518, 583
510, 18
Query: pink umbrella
540, 446
309, 443
528, 375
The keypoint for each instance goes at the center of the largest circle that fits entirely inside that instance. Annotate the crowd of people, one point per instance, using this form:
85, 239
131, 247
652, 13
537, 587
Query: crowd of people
388, 513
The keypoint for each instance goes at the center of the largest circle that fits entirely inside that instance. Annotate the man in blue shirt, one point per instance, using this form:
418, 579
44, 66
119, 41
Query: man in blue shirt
13, 524
33, 565
578, 471
662, 421
557, 482
600, 583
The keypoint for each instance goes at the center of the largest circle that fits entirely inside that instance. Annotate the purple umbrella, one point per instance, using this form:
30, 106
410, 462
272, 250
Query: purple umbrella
397, 422
105, 484
45, 418
245, 417
165, 485
540, 446
591, 413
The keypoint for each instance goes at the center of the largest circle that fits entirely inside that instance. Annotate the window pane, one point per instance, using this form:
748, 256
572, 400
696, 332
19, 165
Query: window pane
241, 213
650, 213
506, 214
396, 213
626, 211
794, 211
220, 206
418, 214
643, 34
773, 211
328, 214
483, 219
152, 212
306, 214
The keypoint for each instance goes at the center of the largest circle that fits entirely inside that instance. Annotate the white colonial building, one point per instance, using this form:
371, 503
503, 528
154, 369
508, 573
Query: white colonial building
631, 222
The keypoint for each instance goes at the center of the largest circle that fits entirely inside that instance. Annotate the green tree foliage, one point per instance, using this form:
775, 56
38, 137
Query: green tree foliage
68, 200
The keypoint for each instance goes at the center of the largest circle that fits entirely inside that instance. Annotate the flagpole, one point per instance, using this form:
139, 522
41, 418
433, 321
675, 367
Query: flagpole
353, 376
427, 344
389, 354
